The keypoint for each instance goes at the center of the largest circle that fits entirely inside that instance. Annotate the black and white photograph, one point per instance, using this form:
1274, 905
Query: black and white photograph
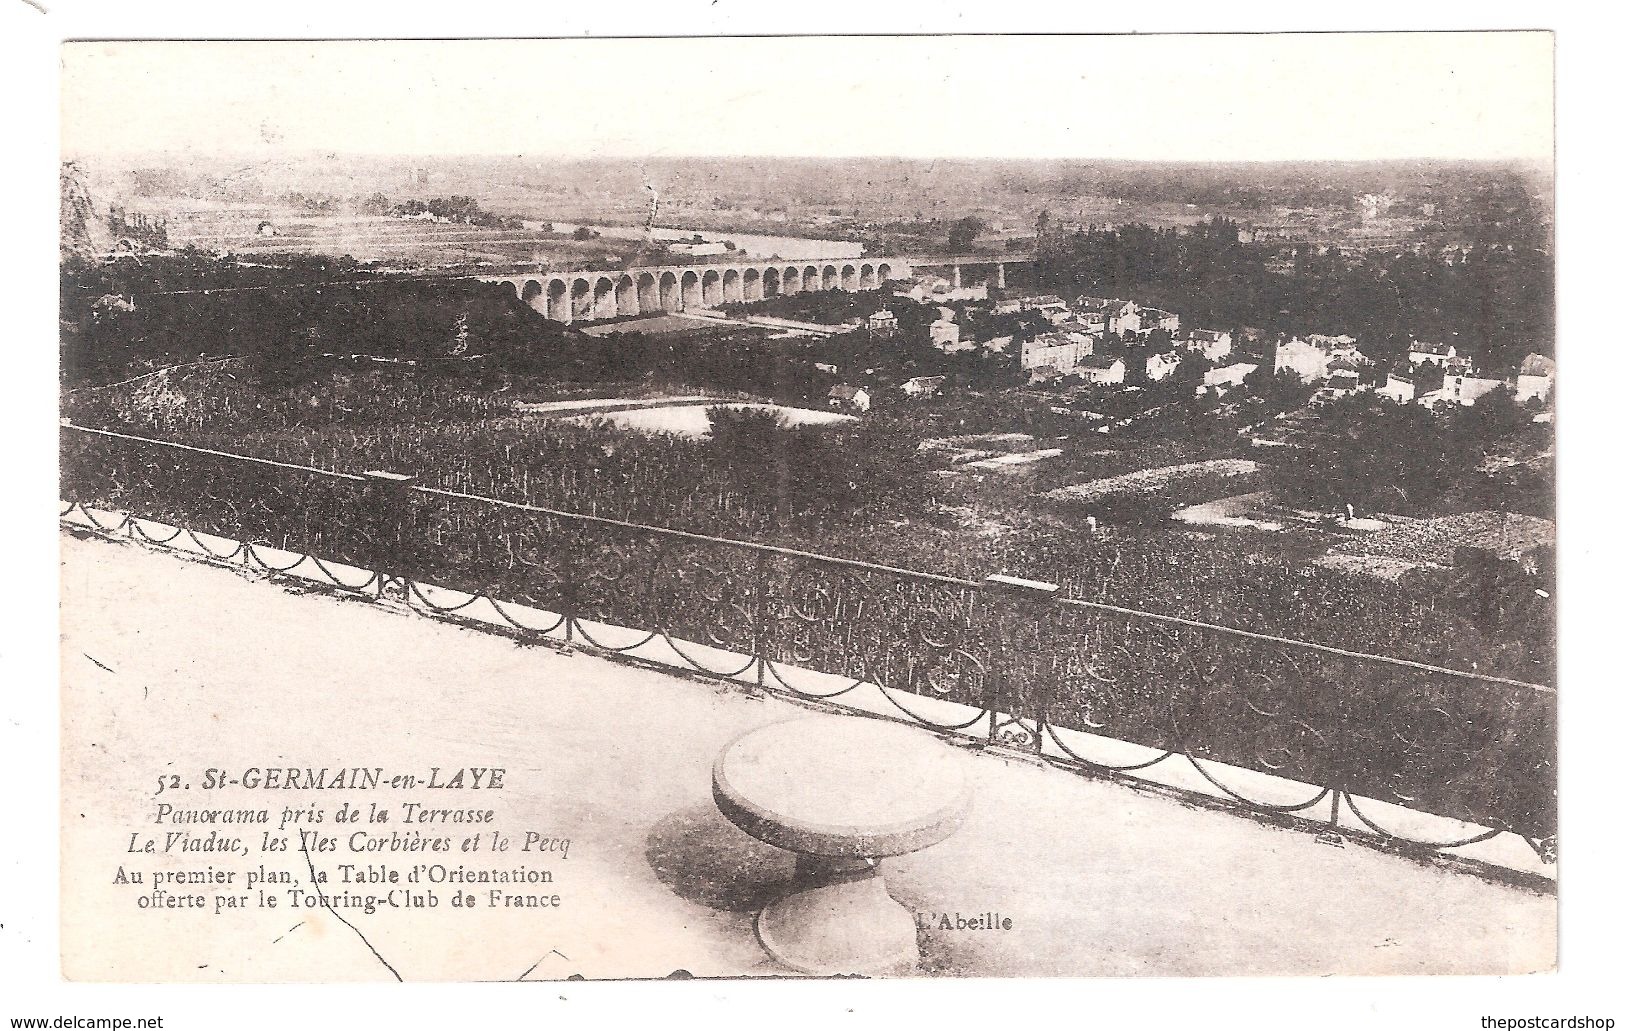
782, 508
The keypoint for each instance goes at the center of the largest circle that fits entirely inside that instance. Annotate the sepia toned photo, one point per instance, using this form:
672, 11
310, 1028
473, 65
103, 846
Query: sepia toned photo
807, 507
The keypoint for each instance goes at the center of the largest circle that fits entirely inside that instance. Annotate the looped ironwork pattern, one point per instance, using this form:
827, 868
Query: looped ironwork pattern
1081, 685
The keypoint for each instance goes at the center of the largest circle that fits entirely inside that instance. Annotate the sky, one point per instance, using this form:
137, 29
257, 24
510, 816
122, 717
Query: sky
1157, 97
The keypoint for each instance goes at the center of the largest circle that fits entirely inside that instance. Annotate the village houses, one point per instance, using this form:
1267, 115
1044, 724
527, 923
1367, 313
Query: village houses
1213, 344
1048, 305
1122, 317
1340, 346
935, 290
1442, 355
1302, 357
1155, 318
1090, 322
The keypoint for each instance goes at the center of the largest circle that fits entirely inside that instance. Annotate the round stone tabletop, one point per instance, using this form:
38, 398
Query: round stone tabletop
847, 786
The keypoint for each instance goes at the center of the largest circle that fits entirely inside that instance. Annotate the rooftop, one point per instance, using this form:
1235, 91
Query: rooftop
1536, 365
170, 663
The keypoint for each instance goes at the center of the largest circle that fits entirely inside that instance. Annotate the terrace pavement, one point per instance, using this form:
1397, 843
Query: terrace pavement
172, 667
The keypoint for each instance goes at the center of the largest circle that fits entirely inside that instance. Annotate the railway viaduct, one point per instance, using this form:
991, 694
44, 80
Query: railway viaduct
588, 295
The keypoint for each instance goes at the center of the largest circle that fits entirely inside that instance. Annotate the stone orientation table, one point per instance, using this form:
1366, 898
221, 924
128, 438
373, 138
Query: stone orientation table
842, 793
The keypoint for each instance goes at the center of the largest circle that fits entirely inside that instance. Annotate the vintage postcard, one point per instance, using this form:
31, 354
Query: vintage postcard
1040, 506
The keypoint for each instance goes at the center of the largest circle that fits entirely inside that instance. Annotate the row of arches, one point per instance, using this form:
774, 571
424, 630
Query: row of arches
587, 295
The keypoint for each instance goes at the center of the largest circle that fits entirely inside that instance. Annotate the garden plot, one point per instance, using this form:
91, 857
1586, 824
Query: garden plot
694, 420
1014, 462
1240, 510
1191, 478
988, 452
605, 405
1434, 541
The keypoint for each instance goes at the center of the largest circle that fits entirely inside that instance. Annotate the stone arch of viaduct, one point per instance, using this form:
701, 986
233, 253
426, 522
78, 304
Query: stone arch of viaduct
583, 296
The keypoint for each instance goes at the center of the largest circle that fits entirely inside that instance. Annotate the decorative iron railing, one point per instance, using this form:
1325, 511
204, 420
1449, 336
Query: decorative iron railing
1062, 679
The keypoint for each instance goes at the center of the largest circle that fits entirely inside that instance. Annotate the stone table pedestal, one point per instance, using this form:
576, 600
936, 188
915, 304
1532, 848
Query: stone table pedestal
843, 793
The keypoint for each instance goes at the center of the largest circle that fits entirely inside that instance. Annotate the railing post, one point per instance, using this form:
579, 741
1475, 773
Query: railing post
388, 503
1015, 603
759, 619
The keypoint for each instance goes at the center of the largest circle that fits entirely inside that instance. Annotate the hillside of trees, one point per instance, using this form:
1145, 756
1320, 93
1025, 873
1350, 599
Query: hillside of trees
289, 310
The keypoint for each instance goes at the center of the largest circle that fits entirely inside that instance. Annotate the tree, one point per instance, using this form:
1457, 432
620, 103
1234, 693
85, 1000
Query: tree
963, 233
1493, 417
1190, 372
1375, 455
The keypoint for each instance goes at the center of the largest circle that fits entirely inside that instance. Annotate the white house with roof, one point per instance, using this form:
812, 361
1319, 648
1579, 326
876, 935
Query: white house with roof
1063, 351
1156, 318
923, 386
1100, 368
1535, 376
1398, 388
844, 395
1341, 383
944, 333
1159, 367
1461, 390
1300, 356
882, 323
1226, 378
1213, 344
1341, 347
1093, 323
1431, 354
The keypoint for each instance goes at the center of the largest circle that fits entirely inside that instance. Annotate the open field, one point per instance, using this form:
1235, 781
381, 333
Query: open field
659, 325
392, 241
